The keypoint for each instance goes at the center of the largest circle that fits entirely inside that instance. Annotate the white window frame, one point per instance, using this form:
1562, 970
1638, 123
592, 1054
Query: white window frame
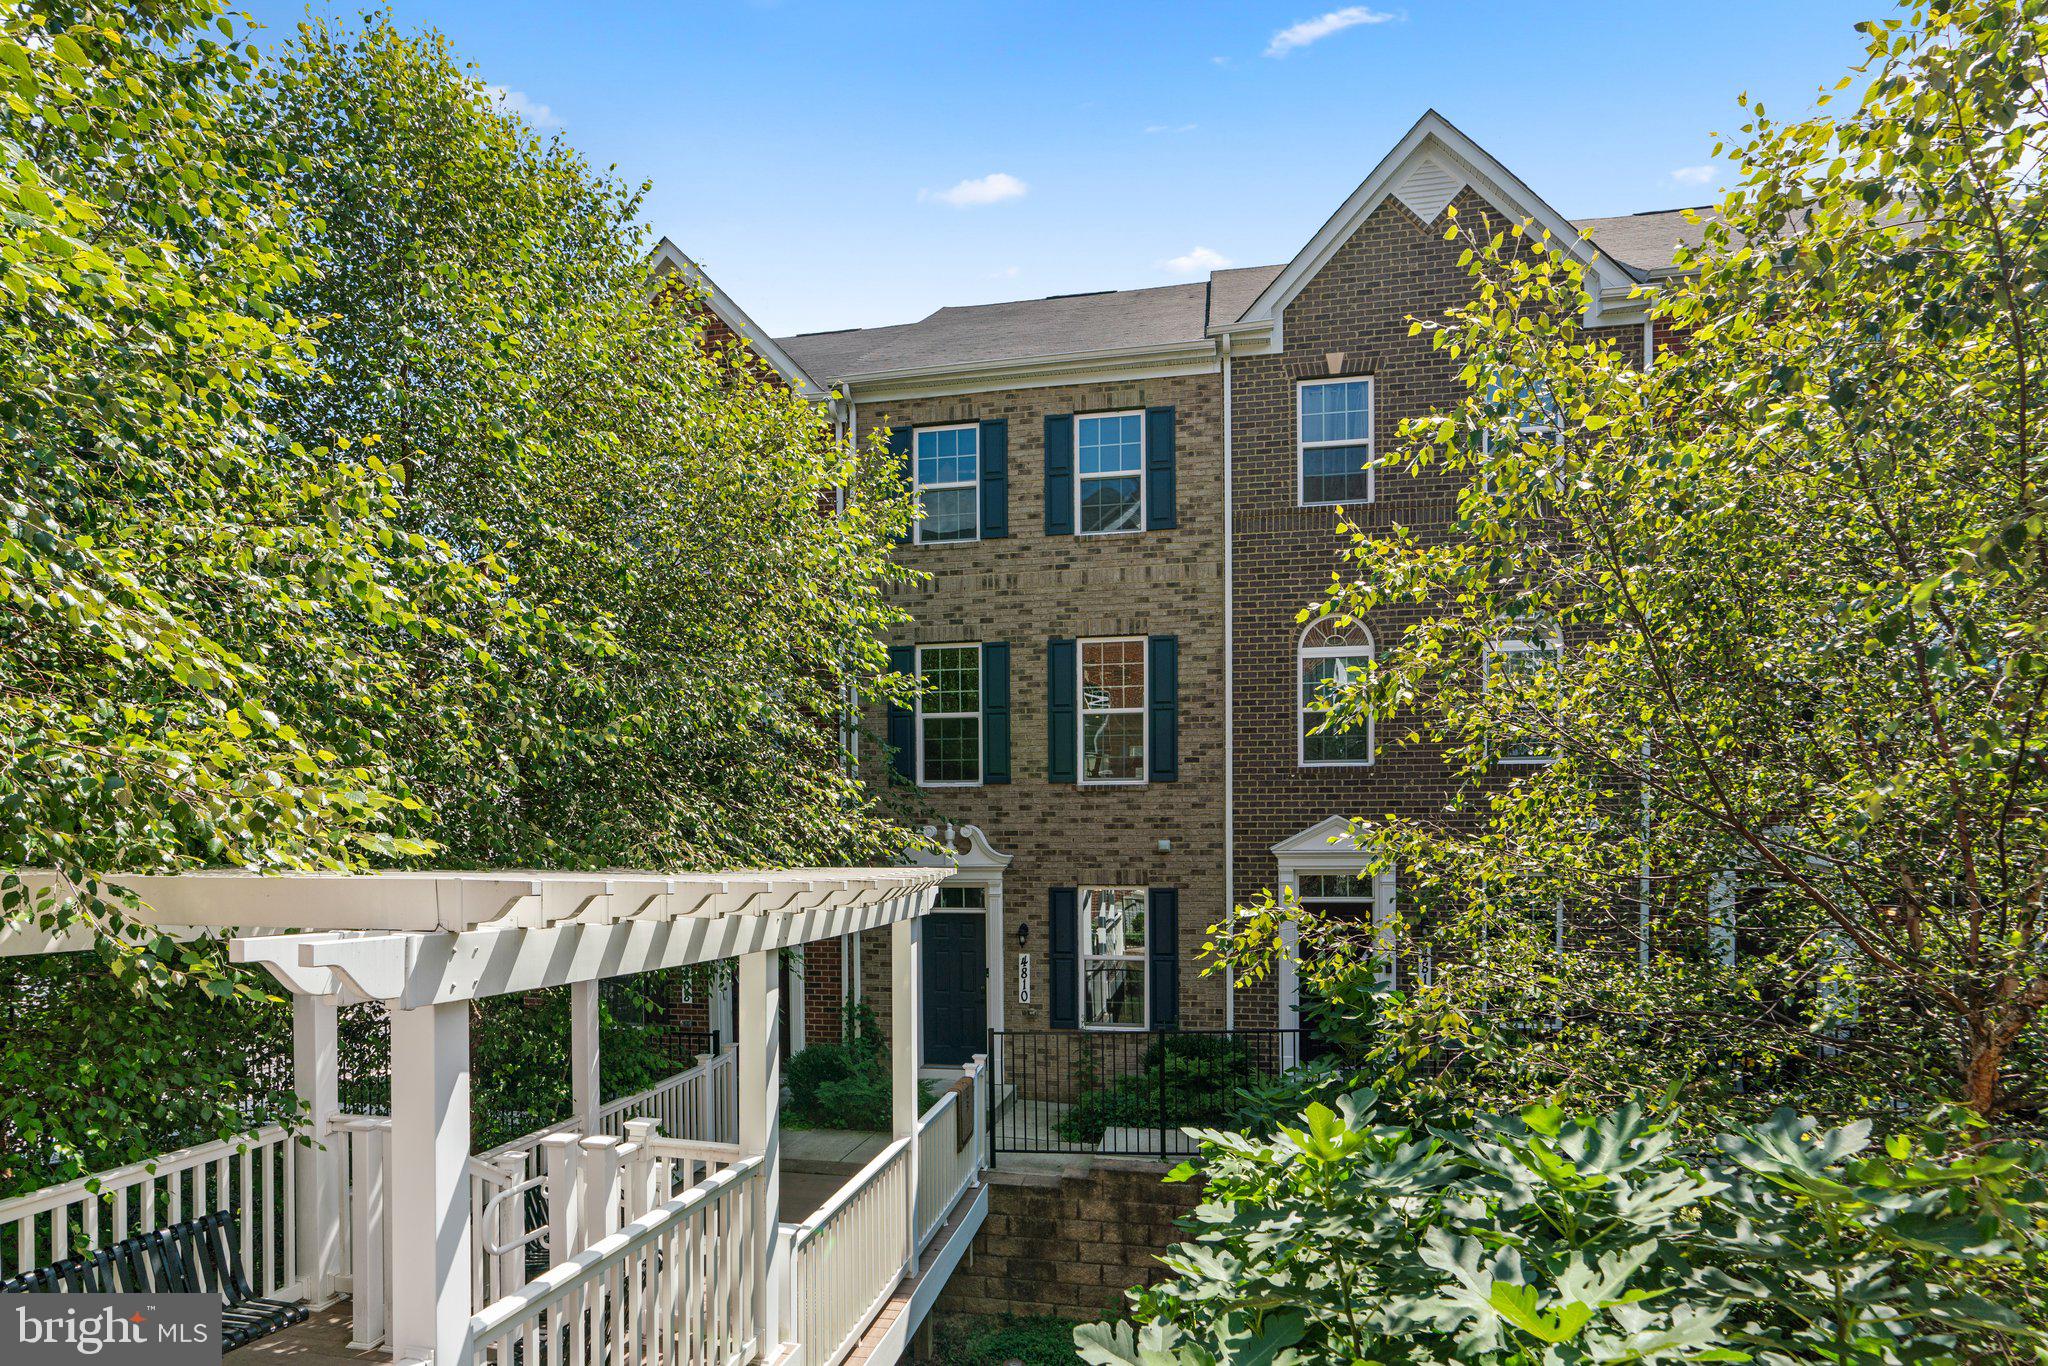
919, 487
1082, 711
1371, 443
1081, 480
980, 721
1304, 652
1539, 642
1143, 960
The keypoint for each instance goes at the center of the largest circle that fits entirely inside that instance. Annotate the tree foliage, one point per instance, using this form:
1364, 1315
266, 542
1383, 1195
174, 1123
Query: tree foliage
1795, 734
360, 506
1549, 1237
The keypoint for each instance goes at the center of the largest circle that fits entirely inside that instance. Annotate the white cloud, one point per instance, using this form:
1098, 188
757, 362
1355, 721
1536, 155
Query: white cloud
1220, 61
972, 194
1199, 261
1169, 128
1693, 175
1315, 30
1007, 273
517, 102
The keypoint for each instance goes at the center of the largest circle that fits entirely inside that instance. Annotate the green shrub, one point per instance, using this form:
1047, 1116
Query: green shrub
845, 1085
1040, 1340
857, 1102
1186, 1079
1547, 1238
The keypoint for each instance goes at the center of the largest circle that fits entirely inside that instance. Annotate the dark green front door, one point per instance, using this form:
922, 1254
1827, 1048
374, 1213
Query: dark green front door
955, 988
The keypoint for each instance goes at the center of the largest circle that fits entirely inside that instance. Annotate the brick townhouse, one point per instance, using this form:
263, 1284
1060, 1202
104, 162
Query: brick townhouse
1128, 498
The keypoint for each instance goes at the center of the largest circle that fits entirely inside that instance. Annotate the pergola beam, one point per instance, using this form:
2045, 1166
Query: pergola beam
418, 969
461, 901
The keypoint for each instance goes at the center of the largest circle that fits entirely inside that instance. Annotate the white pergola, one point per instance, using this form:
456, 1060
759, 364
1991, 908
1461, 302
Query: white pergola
427, 944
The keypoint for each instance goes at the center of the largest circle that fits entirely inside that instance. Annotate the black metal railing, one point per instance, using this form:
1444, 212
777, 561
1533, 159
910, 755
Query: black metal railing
1124, 1093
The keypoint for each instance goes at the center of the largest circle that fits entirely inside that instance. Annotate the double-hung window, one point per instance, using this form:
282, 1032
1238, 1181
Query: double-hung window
1113, 710
1513, 664
1109, 450
1334, 420
948, 471
1113, 994
949, 715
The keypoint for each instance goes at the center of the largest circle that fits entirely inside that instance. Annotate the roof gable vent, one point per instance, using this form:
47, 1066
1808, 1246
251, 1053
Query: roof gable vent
1428, 188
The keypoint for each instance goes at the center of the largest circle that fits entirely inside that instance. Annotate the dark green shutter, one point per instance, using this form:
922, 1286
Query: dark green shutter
1162, 947
1160, 513
1062, 962
995, 712
1162, 709
1061, 741
899, 451
995, 479
902, 720
1059, 474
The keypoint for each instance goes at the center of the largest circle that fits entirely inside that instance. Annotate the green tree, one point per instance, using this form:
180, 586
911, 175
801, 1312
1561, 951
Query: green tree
359, 508
483, 303
1793, 814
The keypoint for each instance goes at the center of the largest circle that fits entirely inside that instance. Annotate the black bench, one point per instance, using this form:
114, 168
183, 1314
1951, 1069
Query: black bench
197, 1256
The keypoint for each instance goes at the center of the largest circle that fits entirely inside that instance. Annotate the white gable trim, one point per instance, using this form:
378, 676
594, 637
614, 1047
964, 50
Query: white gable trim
668, 259
1425, 170
1330, 838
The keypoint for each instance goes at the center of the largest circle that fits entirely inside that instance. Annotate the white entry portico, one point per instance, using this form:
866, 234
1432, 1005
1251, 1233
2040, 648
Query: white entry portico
1328, 848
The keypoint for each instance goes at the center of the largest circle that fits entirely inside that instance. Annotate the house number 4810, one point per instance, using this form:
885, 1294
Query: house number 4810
1023, 979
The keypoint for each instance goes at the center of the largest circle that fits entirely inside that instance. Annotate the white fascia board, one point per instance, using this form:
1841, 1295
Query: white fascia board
668, 254
1432, 136
1118, 365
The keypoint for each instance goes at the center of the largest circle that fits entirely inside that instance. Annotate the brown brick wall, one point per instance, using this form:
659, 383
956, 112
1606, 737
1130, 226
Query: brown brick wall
1029, 587
1068, 1245
1356, 309
821, 992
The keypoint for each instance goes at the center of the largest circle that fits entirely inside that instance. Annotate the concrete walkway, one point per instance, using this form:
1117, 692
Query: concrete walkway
817, 1162
831, 1146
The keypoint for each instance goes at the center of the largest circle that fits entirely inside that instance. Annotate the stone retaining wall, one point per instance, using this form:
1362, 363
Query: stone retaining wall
1068, 1244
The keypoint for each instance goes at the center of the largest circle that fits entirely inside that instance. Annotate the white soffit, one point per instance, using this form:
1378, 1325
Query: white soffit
1428, 188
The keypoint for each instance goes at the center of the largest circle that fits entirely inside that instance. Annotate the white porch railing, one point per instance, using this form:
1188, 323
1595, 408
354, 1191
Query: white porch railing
254, 1176
951, 1148
674, 1286
846, 1260
700, 1102
703, 1098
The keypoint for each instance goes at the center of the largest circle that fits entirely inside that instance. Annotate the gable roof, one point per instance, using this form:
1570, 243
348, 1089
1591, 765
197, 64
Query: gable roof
669, 259
1426, 169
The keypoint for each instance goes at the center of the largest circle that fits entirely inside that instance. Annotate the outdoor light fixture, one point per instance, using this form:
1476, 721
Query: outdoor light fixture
1023, 933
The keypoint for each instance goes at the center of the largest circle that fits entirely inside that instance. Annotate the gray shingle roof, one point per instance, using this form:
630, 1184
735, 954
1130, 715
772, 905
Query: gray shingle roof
1065, 324
1122, 319
1647, 242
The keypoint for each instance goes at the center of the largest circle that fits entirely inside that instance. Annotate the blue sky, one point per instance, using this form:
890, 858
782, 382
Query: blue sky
839, 165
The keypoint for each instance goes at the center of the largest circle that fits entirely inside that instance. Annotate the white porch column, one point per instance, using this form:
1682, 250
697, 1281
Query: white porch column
430, 1137
906, 1051
584, 1085
316, 1078
760, 1098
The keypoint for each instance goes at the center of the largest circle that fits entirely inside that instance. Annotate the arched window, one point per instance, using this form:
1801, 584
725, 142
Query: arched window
1334, 653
